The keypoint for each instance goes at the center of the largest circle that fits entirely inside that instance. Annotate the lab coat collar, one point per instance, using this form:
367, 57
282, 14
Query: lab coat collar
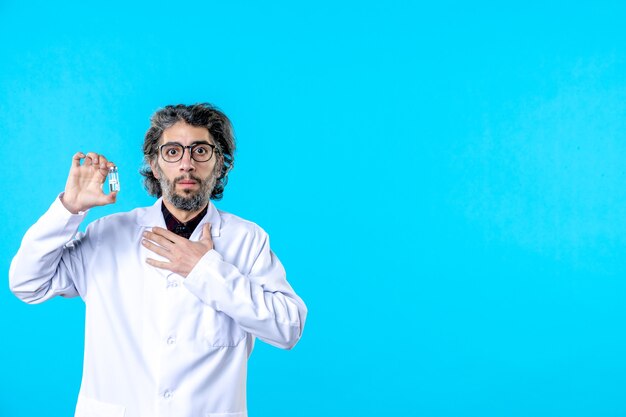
153, 216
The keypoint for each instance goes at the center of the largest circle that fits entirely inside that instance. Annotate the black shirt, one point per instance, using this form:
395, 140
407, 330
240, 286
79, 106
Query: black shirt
181, 229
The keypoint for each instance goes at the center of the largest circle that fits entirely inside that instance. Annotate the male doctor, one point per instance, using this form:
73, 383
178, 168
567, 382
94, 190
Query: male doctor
175, 293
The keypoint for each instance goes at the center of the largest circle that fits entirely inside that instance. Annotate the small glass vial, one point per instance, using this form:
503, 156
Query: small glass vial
114, 179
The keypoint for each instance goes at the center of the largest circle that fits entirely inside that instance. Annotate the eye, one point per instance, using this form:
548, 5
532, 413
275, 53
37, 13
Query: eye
171, 151
201, 150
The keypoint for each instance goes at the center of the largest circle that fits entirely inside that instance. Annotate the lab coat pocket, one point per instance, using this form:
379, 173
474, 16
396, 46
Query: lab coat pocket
221, 330
88, 407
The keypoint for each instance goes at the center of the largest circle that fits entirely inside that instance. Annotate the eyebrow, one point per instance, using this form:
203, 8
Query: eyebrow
196, 142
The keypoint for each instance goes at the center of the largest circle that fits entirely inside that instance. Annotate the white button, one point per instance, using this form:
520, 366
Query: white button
171, 340
167, 394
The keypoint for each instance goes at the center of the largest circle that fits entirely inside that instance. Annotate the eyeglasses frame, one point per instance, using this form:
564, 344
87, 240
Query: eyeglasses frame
190, 147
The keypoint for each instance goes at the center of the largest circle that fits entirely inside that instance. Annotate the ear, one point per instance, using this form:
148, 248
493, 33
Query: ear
219, 162
155, 172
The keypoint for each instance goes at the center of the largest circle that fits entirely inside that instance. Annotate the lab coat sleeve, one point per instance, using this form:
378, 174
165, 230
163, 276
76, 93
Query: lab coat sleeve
49, 260
261, 302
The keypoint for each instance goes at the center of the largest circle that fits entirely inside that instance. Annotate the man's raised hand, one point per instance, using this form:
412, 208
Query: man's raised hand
83, 189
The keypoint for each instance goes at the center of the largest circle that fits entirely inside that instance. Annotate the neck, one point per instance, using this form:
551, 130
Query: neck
182, 216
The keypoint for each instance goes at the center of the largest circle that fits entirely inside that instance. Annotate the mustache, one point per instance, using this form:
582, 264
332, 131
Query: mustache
187, 177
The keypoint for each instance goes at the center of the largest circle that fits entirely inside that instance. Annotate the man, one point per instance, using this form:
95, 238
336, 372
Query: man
175, 293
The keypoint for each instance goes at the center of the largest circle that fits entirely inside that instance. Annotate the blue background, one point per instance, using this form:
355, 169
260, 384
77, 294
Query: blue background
444, 183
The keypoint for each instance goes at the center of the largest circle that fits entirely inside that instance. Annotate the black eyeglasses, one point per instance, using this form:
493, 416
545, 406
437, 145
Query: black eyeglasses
174, 151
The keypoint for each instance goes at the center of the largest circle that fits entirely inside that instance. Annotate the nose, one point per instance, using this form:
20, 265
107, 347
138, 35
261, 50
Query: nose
186, 162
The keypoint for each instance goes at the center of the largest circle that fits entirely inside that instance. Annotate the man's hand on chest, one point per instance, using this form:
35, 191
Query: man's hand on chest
182, 254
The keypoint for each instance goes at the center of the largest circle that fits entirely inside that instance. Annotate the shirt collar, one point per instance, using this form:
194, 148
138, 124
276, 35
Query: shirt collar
153, 216
184, 229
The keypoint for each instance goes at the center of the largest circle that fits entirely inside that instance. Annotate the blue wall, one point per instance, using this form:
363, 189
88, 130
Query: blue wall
444, 183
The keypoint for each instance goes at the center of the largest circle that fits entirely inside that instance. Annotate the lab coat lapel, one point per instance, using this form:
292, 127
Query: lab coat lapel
147, 219
152, 216
212, 216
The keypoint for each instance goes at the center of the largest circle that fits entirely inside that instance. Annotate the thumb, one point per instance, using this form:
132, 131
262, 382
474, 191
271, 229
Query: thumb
105, 199
206, 231
108, 198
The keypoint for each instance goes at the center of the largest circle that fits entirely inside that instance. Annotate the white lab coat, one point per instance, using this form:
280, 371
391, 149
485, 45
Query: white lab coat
158, 344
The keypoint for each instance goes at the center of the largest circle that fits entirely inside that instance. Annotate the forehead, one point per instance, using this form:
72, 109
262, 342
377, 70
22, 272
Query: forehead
185, 133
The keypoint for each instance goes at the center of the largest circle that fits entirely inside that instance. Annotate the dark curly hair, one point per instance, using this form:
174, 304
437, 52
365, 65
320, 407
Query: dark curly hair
201, 115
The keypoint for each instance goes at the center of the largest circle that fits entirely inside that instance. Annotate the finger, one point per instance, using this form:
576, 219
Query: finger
104, 166
94, 157
160, 240
206, 231
103, 162
171, 236
159, 264
77, 158
106, 163
99, 175
156, 249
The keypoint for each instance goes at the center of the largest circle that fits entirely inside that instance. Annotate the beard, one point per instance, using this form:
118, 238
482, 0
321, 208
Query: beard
189, 200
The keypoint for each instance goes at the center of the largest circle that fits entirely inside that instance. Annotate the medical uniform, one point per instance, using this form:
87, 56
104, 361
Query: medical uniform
158, 344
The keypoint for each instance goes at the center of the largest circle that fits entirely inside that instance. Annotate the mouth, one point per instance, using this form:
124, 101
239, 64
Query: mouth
187, 183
